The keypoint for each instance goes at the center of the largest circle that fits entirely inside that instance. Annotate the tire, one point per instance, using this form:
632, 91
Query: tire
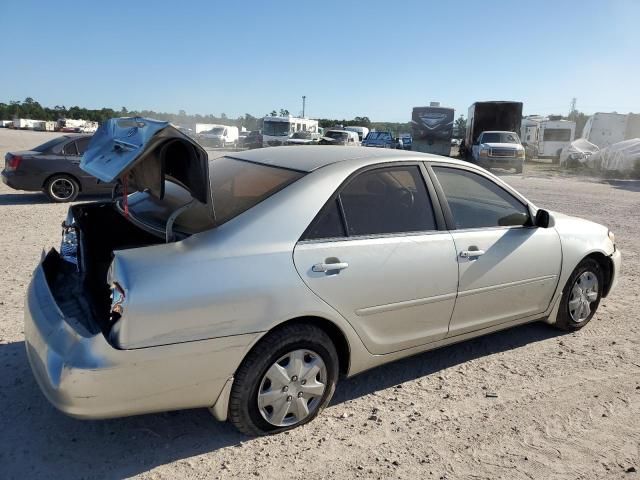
519, 168
61, 188
252, 379
569, 318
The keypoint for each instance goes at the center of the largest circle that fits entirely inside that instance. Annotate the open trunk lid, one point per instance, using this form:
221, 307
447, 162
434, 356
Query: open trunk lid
142, 152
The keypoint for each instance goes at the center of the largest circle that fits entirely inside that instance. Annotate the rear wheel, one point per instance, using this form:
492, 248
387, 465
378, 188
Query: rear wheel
581, 296
61, 188
285, 381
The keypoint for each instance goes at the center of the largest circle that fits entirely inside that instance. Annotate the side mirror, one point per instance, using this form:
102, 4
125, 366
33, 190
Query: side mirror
544, 219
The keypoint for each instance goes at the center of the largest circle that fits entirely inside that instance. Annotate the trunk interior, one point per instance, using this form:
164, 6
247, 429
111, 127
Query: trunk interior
82, 291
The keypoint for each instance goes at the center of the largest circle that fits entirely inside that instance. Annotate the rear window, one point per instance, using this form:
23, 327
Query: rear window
237, 185
48, 145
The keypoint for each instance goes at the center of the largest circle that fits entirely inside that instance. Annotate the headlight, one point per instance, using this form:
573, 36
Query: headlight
520, 154
484, 152
612, 237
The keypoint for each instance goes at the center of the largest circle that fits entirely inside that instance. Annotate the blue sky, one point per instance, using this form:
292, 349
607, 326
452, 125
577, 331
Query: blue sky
371, 58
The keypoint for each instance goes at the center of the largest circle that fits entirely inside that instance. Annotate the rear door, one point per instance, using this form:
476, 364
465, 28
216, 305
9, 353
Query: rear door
375, 254
72, 152
508, 269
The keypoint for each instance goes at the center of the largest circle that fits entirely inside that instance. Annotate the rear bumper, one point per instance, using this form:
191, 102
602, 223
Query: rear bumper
19, 181
82, 375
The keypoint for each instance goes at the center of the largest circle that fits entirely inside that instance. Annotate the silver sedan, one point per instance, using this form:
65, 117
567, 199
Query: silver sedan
251, 283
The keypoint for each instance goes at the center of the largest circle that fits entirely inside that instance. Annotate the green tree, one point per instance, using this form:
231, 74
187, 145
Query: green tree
284, 112
460, 127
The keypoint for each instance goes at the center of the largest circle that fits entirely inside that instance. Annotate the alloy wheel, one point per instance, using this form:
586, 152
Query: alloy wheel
62, 189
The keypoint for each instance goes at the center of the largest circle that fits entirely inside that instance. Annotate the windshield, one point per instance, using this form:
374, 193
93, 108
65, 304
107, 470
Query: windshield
216, 131
276, 129
500, 137
336, 135
237, 186
51, 143
379, 136
303, 135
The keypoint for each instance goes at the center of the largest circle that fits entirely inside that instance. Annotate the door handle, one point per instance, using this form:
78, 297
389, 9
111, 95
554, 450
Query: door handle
329, 267
471, 253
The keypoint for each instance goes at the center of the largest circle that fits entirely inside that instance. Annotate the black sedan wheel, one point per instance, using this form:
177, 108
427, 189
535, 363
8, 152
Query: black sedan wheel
62, 188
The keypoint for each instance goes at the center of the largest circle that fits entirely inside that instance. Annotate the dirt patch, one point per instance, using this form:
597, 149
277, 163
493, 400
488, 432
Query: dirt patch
525, 403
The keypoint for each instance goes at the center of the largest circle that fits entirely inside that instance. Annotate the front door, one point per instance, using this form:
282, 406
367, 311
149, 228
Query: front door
508, 269
375, 255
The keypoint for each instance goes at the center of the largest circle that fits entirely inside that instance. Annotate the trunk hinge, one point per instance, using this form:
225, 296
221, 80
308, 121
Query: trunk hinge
169, 237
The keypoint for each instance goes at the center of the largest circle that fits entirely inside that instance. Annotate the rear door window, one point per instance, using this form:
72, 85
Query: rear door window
382, 201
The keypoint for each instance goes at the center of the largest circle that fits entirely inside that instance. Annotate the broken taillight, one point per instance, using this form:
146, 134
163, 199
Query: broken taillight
13, 162
117, 299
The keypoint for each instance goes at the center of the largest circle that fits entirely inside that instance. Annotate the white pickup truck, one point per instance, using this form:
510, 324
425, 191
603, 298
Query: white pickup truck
499, 149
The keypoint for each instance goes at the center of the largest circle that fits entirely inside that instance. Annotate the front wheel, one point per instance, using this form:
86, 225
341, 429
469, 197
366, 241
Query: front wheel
581, 296
285, 381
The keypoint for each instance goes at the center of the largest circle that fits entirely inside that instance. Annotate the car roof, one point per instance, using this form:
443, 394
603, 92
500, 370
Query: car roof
311, 157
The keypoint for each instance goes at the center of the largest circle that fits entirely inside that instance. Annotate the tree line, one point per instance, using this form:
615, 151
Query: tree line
30, 108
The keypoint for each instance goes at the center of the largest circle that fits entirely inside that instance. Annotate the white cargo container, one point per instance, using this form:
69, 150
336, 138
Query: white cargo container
277, 130
544, 138
26, 123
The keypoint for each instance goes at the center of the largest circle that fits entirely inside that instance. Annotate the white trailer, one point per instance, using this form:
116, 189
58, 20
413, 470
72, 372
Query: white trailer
278, 130
6, 123
544, 138
604, 129
26, 123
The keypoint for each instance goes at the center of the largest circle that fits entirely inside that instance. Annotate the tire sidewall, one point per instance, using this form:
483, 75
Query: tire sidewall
52, 180
250, 405
564, 317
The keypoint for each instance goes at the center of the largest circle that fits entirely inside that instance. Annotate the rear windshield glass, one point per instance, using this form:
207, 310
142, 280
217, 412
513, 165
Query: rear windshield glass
236, 185
51, 143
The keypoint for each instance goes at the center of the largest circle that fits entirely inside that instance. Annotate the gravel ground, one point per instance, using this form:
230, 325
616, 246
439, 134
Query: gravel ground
526, 403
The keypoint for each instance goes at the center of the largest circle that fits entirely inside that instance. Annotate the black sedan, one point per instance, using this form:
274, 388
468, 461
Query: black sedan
53, 168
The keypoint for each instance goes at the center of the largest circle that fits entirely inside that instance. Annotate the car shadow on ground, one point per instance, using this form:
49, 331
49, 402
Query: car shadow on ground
630, 185
38, 441
23, 198
39, 198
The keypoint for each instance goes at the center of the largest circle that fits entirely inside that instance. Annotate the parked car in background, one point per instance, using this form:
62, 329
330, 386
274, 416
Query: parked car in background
340, 137
381, 140
53, 168
499, 149
333, 261
252, 140
407, 141
304, 138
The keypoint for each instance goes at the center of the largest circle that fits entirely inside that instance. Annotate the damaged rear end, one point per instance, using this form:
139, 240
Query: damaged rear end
76, 301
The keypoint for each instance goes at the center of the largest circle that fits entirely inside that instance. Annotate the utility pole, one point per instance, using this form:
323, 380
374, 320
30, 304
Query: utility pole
572, 108
304, 99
